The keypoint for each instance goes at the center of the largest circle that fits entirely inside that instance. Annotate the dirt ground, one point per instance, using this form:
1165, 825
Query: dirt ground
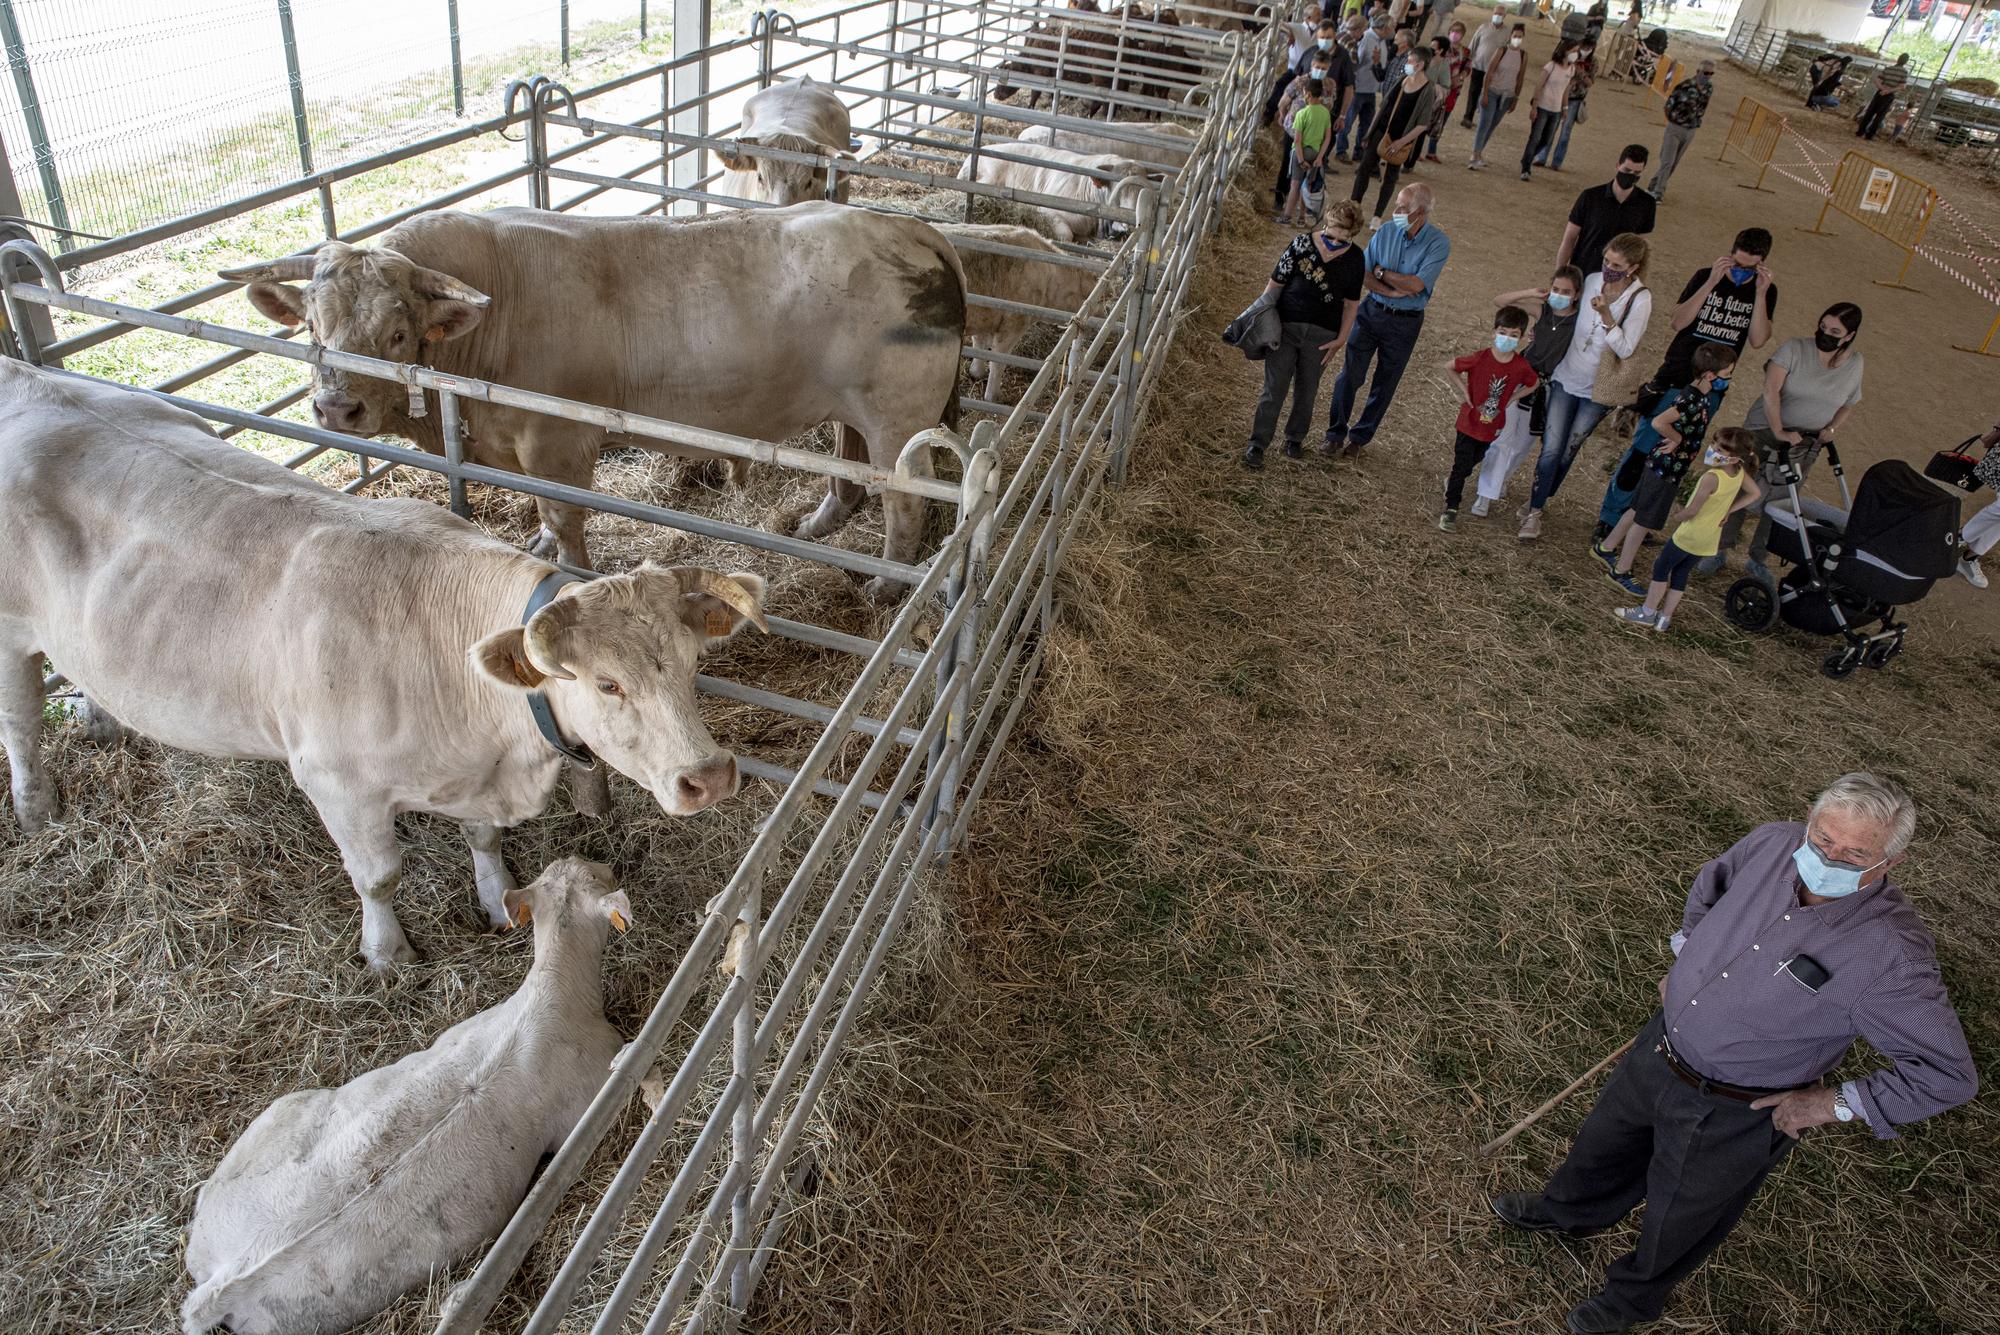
1338, 843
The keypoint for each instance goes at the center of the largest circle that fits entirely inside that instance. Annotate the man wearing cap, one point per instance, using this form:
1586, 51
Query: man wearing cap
1794, 943
1685, 107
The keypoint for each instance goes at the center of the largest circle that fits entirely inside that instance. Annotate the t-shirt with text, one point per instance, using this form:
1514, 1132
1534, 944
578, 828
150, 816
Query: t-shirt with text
1493, 384
1724, 318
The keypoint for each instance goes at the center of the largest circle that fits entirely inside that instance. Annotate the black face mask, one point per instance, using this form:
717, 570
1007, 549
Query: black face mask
1826, 342
1626, 180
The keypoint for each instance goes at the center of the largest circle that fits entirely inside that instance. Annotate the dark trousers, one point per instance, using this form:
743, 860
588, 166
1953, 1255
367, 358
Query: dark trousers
1541, 135
1293, 365
1476, 80
1371, 162
1695, 1159
1377, 330
1360, 112
1871, 119
1283, 189
1466, 455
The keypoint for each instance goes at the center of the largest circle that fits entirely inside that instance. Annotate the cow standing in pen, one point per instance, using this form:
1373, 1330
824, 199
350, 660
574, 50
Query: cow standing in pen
798, 116
1030, 282
335, 1202
393, 656
762, 324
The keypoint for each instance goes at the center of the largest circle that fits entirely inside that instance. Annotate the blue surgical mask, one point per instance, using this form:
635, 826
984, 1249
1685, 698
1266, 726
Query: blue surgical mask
1559, 301
1828, 880
1400, 218
1506, 342
1325, 43
1720, 384
1739, 274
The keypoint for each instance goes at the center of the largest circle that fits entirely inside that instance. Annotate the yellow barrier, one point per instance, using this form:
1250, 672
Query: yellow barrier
1985, 348
1895, 207
1666, 74
1756, 134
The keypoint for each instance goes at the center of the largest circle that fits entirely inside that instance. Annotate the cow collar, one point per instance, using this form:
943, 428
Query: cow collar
538, 701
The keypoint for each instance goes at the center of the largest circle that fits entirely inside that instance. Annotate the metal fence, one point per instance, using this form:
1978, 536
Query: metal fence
799, 931
242, 94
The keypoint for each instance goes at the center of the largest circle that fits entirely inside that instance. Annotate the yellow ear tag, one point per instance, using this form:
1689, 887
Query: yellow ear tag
717, 622
618, 921
523, 913
434, 334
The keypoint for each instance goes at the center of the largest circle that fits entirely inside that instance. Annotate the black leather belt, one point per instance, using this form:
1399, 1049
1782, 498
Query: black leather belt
1398, 310
1690, 1076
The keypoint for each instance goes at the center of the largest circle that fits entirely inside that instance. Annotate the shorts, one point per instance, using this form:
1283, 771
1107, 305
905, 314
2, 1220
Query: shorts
1673, 567
1654, 499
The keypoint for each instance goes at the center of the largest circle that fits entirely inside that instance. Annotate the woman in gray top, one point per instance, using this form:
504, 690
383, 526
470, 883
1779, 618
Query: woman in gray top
1811, 387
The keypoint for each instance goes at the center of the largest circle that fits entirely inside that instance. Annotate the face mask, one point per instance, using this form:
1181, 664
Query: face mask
1325, 43
1614, 276
1319, 74
1400, 218
1498, 20
1826, 342
1569, 60
1410, 69
1457, 37
1828, 880
1513, 41
1714, 458
1559, 302
1739, 274
1626, 180
1719, 384
1506, 342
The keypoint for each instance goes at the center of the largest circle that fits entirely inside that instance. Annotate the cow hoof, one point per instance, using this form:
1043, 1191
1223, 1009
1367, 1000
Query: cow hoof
544, 545
883, 592
98, 726
36, 811
388, 964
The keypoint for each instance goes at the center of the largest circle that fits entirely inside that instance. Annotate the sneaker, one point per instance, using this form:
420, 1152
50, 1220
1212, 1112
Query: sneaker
1635, 616
1332, 446
1600, 533
1527, 176
1627, 583
1448, 522
1969, 571
1610, 561
1757, 570
1709, 565
1475, 165
1375, 224
1293, 450
1480, 505
1253, 458
1531, 527
1432, 157
1660, 625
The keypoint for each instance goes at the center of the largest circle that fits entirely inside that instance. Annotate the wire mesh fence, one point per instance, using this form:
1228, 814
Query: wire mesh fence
119, 114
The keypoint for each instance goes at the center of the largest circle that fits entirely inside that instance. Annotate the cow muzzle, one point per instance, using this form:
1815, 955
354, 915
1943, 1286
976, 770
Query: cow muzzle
699, 787
339, 411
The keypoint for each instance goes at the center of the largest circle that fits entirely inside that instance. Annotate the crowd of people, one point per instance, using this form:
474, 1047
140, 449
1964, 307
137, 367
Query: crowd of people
1352, 287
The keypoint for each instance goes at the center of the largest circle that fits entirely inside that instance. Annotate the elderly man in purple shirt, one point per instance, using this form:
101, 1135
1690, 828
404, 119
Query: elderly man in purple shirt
1794, 943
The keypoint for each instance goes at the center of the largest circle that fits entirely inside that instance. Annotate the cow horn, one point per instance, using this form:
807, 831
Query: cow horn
291, 268
696, 579
442, 285
540, 639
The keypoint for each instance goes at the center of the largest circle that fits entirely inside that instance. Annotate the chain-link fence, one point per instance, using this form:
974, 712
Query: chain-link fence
118, 114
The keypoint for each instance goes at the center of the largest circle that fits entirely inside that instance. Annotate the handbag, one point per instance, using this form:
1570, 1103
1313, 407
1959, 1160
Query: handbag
1619, 379
1394, 157
1956, 468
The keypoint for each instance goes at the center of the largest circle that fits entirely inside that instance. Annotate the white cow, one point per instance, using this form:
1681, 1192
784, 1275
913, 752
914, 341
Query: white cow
1011, 278
1130, 180
1082, 141
337, 1201
801, 116
385, 650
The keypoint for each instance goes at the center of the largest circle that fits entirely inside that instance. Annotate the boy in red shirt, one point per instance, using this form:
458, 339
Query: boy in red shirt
1491, 381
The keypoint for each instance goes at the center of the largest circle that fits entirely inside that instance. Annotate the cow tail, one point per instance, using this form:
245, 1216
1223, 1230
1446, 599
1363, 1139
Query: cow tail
949, 254
204, 1308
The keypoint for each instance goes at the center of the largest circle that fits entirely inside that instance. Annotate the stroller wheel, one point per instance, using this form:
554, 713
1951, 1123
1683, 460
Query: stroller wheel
1841, 662
1879, 655
1749, 604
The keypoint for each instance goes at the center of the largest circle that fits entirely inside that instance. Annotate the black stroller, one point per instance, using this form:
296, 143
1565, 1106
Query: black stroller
1849, 567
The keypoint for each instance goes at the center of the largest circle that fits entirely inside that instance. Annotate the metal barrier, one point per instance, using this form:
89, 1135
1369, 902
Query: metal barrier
1895, 207
1756, 136
800, 930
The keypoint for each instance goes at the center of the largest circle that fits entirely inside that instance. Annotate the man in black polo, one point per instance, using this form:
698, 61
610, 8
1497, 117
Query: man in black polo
1604, 211
1730, 302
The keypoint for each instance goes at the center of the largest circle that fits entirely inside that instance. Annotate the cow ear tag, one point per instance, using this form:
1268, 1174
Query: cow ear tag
717, 622
435, 334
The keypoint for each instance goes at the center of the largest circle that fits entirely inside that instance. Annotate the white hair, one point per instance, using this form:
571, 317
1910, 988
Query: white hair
1873, 798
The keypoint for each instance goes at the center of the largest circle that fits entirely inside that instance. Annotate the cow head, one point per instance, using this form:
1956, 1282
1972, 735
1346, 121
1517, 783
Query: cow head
571, 899
1133, 181
784, 183
372, 302
616, 657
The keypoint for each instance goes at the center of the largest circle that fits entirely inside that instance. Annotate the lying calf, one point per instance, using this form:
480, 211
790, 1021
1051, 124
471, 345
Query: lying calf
337, 1201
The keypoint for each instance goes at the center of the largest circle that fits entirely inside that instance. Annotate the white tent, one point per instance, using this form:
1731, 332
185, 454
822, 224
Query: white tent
1835, 20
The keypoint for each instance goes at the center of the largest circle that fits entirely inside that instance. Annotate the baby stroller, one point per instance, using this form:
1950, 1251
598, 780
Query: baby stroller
1849, 567
1647, 57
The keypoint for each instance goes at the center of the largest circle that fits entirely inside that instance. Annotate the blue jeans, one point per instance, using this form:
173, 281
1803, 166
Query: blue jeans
1359, 112
1553, 157
1541, 133
1489, 120
1617, 499
1377, 329
1571, 420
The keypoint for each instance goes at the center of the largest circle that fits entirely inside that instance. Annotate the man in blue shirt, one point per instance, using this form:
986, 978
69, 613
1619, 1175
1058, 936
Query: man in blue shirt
1404, 259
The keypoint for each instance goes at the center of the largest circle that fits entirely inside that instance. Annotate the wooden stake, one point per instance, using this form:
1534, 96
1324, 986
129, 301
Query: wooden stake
1499, 1142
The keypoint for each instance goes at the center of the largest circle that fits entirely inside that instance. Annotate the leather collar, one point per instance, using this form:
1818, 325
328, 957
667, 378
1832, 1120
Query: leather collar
538, 701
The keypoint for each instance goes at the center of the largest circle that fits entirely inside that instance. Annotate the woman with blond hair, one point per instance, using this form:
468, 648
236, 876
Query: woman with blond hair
1611, 320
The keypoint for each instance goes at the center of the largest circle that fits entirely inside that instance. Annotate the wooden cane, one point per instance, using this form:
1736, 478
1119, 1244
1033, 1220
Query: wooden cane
1499, 1142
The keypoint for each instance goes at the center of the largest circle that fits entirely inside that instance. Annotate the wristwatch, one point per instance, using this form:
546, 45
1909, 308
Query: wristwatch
1841, 1111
